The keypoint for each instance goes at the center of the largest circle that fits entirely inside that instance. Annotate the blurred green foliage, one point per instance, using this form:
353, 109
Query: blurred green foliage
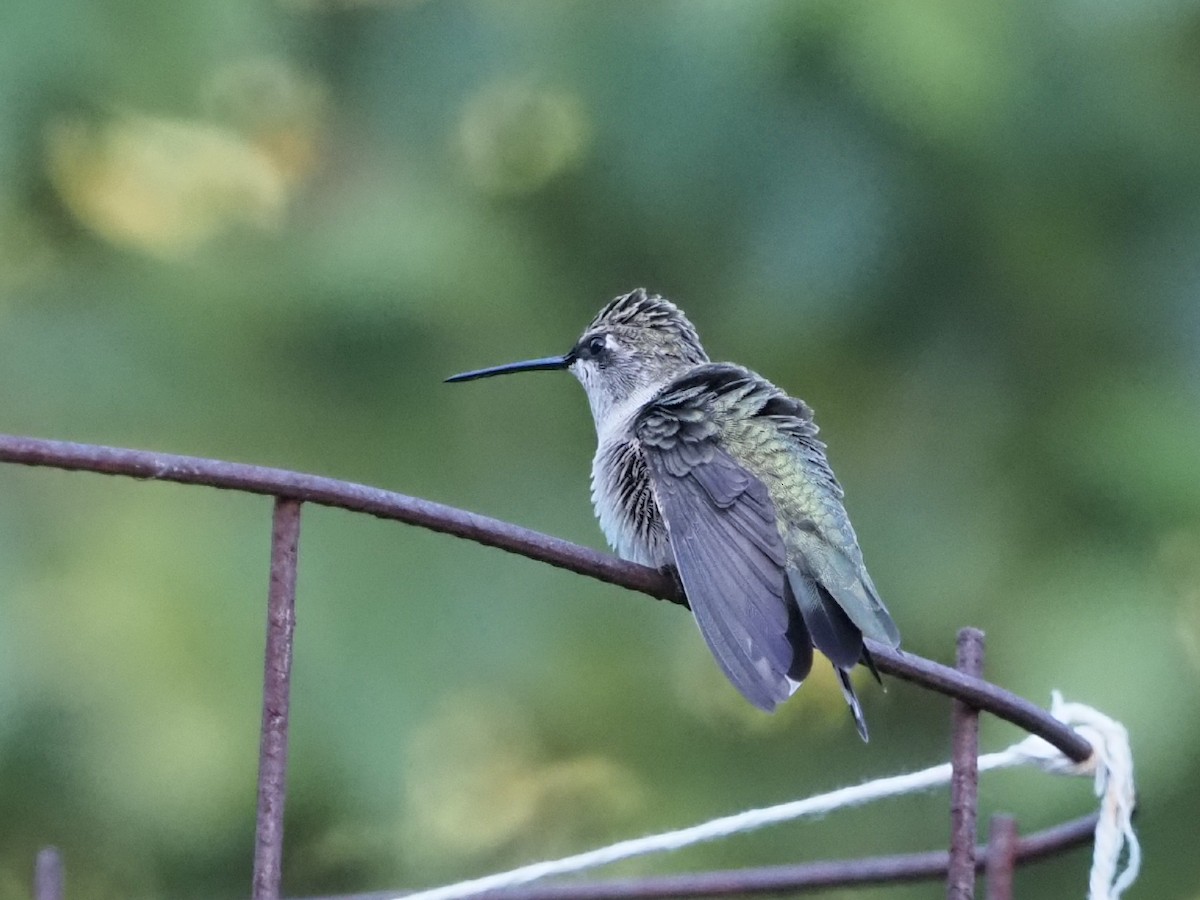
969, 235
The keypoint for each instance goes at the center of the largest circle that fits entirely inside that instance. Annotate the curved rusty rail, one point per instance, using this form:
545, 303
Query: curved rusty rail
491, 532
290, 489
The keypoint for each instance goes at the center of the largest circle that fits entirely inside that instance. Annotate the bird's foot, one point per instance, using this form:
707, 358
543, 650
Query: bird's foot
670, 572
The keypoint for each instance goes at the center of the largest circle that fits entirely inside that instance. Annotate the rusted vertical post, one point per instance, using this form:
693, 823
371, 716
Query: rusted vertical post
277, 677
1001, 857
48, 875
964, 780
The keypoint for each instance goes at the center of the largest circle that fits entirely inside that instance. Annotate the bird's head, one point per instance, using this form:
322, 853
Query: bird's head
635, 345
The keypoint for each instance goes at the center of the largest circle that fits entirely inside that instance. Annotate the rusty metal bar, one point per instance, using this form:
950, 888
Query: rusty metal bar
494, 533
983, 695
251, 479
48, 878
964, 778
791, 879
1001, 856
277, 678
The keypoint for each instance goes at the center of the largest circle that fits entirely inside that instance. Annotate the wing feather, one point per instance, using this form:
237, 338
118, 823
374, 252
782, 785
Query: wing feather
730, 558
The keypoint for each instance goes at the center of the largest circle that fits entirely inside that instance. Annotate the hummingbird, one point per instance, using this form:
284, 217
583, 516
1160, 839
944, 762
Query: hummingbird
711, 471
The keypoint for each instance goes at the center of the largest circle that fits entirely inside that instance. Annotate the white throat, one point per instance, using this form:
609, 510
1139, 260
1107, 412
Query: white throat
613, 419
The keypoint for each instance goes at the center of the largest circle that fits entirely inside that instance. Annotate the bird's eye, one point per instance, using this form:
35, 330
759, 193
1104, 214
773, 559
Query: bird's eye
595, 345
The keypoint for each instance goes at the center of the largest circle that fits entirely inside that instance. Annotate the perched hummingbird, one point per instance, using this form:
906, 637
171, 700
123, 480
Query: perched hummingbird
712, 470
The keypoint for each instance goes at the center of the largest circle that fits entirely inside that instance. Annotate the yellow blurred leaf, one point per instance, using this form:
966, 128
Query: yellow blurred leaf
516, 137
162, 186
480, 781
278, 109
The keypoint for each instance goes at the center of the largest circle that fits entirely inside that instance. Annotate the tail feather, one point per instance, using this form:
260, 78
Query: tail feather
799, 637
860, 721
831, 630
869, 661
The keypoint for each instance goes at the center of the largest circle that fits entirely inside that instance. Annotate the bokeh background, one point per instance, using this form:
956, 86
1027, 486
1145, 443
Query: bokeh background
968, 235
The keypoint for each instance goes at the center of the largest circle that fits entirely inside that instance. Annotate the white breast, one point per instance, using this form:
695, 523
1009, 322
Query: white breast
625, 504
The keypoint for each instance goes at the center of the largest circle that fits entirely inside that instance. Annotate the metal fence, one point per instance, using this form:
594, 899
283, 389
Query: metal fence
958, 866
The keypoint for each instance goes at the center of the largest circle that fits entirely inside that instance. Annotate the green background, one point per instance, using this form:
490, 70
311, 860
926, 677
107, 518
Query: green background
967, 234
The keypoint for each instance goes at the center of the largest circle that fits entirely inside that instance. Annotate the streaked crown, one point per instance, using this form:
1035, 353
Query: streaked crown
650, 320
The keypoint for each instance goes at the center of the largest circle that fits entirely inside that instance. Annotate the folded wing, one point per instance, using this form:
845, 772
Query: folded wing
770, 572
731, 561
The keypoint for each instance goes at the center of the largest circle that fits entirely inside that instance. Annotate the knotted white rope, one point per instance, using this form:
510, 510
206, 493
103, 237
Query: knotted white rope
1111, 764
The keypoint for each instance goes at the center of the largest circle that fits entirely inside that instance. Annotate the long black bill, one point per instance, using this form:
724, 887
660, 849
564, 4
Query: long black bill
529, 365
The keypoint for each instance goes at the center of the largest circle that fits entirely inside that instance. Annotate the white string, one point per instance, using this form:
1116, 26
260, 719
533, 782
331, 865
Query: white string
1111, 764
